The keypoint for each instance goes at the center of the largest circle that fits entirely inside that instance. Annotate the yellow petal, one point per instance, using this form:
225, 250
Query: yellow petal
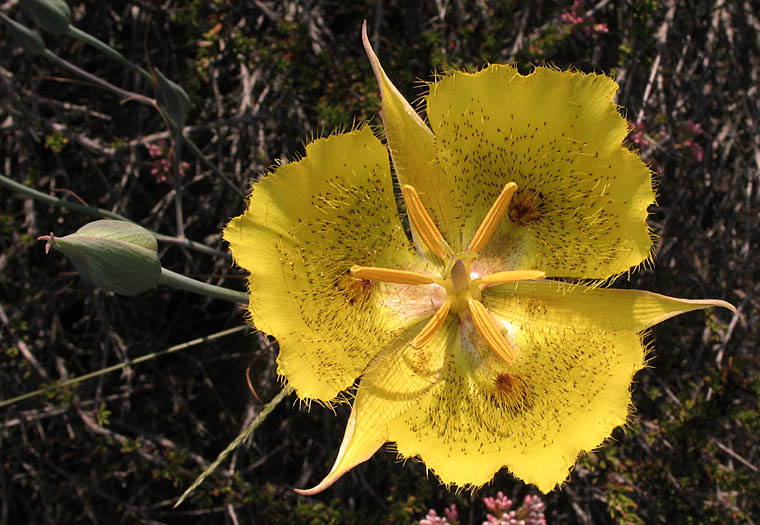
413, 151
555, 305
567, 391
306, 225
581, 205
393, 382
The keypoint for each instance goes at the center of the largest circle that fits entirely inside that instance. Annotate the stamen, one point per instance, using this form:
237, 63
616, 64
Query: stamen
512, 276
422, 222
431, 328
387, 275
490, 332
490, 224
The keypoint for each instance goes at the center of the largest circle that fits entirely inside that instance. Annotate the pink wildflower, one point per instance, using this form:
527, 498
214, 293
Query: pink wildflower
432, 518
162, 165
578, 20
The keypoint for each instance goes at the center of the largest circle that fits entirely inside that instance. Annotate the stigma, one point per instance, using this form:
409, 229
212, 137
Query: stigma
463, 288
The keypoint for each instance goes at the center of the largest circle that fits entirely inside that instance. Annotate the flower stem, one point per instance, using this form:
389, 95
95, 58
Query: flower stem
126, 95
181, 282
176, 150
100, 212
105, 48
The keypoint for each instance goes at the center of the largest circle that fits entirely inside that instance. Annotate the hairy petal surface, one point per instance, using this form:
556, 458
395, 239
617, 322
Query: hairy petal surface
565, 394
306, 224
581, 205
398, 377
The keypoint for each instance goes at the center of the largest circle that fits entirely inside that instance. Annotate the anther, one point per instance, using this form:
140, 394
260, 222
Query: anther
493, 218
490, 332
391, 276
512, 276
422, 222
431, 328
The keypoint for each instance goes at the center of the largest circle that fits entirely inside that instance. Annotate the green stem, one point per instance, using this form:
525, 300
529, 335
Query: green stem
181, 282
213, 168
235, 443
44, 197
176, 150
127, 95
114, 368
192, 245
100, 212
105, 48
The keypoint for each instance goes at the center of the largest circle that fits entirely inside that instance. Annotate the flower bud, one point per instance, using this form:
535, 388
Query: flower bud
51, 15
119, 256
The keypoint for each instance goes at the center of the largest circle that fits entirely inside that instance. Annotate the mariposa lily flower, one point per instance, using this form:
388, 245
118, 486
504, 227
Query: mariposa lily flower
485, 341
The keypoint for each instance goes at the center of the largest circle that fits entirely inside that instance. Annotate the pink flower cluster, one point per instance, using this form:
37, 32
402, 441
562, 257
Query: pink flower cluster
162, 164
684, 140
637, 136
579, 21
693, 151
451, 517
500, 512
531, 512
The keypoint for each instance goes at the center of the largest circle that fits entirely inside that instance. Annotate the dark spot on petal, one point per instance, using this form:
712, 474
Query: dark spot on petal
510, 393
527, 206
356, 291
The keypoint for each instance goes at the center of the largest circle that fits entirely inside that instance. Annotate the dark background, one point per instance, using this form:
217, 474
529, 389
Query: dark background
264, 76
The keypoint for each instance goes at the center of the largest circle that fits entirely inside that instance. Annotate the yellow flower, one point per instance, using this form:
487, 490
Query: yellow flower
472, 355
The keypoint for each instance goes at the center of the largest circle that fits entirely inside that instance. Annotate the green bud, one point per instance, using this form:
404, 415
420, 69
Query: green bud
51, 15
119, 256
172, 99
27, 38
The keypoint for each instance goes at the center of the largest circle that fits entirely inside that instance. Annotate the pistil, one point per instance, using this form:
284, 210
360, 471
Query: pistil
462, 294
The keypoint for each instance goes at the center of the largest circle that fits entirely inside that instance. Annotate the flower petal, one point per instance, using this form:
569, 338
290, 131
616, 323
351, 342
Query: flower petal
394, 381
306, 225
565, 394
555, 305
413, 151
581, 204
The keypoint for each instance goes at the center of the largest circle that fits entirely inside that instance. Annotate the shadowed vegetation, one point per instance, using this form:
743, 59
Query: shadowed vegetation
263, 77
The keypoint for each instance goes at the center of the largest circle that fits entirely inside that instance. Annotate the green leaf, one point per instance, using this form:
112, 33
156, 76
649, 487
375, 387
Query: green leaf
172, 99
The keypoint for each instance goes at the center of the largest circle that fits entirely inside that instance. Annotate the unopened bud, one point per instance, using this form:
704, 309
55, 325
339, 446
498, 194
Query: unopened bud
51, 15
118, 256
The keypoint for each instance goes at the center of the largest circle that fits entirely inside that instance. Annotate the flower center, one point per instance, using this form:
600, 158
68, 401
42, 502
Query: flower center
463, 294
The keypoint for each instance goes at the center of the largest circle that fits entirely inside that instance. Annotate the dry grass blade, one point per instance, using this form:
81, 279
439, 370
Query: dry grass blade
235, 443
